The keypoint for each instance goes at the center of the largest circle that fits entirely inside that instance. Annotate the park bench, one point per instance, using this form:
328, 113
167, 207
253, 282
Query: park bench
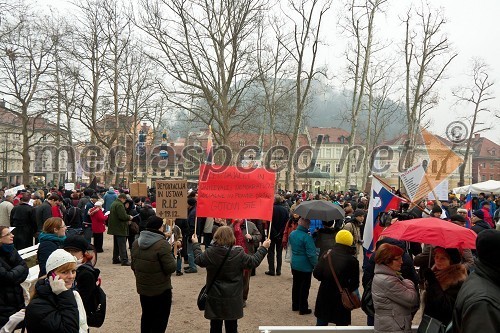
29, 255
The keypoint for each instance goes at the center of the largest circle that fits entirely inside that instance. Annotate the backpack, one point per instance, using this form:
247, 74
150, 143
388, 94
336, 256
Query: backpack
496, 215
97, 314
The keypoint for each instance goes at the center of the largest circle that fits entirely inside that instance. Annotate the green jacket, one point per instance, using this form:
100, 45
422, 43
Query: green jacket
152, 263
118, 219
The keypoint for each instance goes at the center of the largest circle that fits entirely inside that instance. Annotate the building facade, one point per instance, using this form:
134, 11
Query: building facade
485, 160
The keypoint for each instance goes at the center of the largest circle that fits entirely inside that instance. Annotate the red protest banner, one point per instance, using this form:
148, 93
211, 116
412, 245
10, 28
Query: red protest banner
232, 192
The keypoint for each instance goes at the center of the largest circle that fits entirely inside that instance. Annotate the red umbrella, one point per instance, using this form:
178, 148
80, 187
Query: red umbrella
432, 231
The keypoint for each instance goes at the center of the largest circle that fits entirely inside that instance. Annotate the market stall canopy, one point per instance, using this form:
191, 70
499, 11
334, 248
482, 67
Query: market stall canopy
490, 186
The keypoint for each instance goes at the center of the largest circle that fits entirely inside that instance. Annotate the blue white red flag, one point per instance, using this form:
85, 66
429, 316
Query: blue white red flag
381, 200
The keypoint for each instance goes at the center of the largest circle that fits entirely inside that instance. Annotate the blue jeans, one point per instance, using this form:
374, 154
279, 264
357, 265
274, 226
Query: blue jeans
190, 252
179, 263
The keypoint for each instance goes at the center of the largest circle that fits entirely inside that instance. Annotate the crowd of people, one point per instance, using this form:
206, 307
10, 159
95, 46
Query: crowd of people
459, 287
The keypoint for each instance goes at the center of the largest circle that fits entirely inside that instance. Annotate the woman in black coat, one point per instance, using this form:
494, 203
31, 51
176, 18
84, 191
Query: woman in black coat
443, 282
51, 238
13, 271
329, 308
225, 298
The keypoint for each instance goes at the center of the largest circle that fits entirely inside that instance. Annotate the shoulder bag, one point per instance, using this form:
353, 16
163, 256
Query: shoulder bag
431, 325
350, 300
203, 295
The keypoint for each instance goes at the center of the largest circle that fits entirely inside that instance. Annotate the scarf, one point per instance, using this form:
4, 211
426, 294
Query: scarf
82, 315
450, 276
8, 248
238, 234
52, 237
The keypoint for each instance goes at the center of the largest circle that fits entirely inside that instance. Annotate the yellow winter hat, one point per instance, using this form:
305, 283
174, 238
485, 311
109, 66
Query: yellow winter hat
344, 237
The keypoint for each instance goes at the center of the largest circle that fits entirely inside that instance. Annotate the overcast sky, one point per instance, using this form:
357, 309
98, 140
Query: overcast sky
472, 29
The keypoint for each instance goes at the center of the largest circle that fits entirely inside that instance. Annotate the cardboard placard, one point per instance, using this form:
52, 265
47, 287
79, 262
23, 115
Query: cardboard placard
171, 199
232, 192
69, 186
138, 190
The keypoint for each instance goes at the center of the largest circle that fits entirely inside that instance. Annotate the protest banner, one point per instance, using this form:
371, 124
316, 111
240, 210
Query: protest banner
412, 178
232, 192
138, 190
171, 199
441, 191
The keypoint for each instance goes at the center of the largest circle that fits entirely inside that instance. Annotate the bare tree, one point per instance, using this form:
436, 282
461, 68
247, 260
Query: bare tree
100, 43
142, 95
381, 110
208, 49
274, 71
61, 94
306, 18
26, 59
360, 27
427, 55
476, 95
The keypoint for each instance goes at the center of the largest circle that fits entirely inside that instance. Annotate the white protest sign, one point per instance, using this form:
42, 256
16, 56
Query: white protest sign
69, 186
13, 191
441, 191
412, 178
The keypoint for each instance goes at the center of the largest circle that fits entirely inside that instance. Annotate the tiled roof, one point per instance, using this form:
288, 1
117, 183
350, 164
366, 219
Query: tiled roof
485, 148
330, 134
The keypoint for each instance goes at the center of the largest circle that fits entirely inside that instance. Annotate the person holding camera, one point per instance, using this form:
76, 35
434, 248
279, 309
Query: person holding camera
353, 226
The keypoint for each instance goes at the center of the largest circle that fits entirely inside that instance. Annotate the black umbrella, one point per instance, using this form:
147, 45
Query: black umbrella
320, 210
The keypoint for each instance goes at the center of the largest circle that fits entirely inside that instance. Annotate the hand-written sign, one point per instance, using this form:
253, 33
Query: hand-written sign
138, 190
232, 192
171, 199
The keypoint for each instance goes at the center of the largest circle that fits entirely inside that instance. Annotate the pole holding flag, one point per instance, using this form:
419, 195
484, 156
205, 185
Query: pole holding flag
210, 156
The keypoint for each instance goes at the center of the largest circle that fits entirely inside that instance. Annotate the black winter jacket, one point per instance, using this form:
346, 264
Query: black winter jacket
23, 218
86, 277
225, 298
145, 213
13, 271
279, 219
51, 313
477, 307
325, 240
42, 213
328, 302
480, 226
45, 249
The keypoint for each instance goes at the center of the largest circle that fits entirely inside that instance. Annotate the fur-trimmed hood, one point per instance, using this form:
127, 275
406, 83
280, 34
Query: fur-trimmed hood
450, 276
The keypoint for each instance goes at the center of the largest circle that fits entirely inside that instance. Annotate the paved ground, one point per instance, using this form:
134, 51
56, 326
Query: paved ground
269, 300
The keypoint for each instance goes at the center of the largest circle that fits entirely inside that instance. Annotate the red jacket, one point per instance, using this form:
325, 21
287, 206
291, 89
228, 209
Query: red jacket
487, 217
98, 219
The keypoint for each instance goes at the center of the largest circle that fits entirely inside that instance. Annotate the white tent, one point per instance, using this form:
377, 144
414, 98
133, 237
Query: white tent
490, 186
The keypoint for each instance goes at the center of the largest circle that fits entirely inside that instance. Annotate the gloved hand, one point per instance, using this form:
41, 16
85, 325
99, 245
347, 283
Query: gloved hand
57, 285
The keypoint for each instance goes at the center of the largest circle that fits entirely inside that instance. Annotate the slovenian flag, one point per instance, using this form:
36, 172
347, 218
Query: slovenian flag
381, 200
468, 206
